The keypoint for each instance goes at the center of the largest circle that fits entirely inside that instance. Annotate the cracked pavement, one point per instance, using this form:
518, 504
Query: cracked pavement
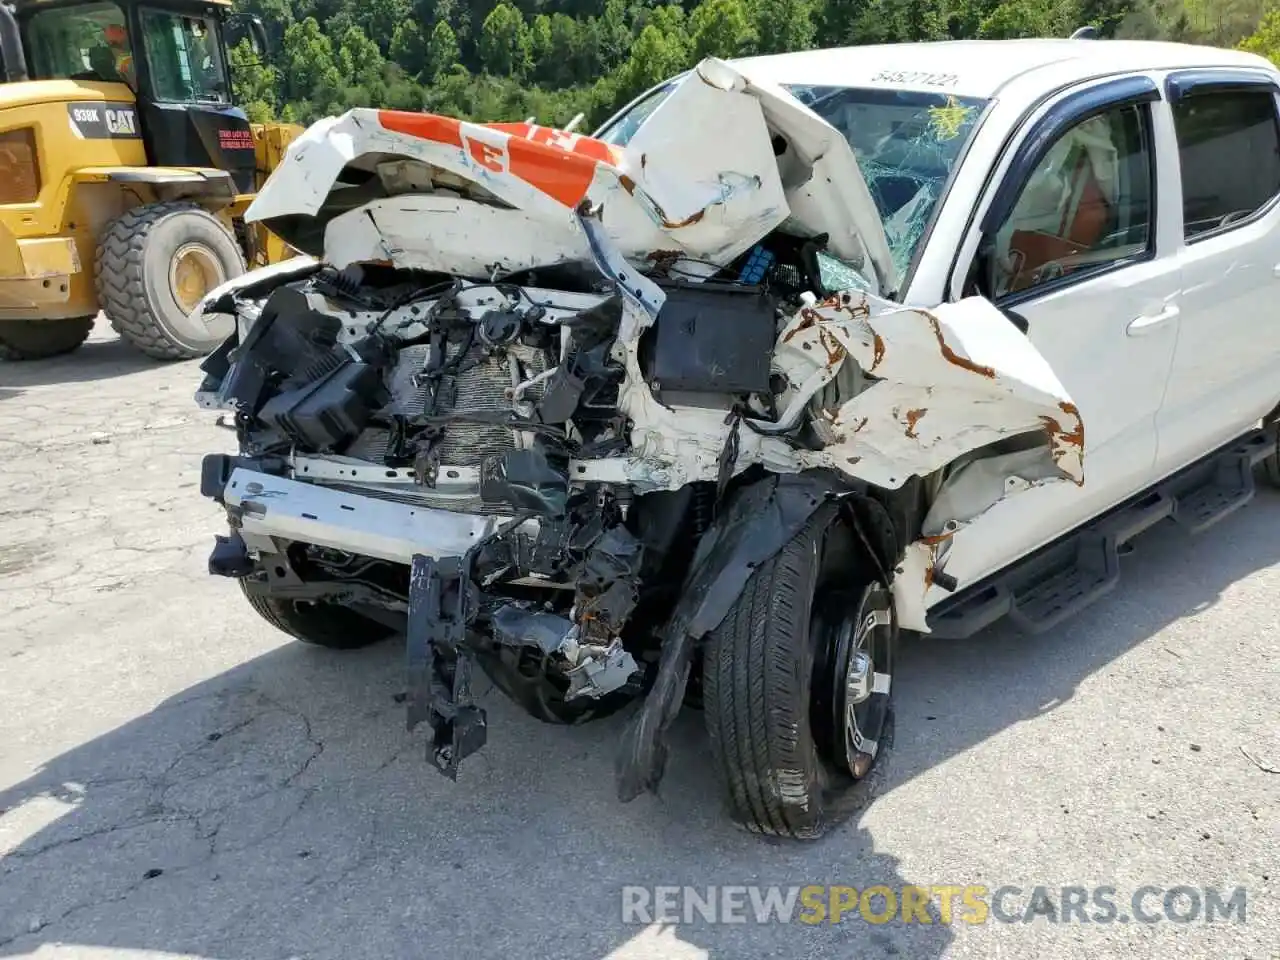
177, 779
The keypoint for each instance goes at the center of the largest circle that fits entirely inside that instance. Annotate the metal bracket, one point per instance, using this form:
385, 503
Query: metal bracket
441, 606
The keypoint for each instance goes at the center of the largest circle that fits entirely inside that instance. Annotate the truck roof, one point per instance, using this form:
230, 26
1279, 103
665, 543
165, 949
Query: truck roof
980, 68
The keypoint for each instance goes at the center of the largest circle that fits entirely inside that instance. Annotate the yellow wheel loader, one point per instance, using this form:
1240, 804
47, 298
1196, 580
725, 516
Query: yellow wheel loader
125, 171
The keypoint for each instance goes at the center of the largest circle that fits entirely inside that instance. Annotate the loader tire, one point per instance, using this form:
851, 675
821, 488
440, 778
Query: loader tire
320, 624
772, 675
154, 264
37, 339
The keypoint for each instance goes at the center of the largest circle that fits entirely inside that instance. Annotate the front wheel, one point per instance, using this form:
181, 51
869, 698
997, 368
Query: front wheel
154, 266
797, 683
318, 623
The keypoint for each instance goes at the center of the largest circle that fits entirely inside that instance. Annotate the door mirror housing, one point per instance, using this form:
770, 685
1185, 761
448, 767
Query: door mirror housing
246, 26
1014, 317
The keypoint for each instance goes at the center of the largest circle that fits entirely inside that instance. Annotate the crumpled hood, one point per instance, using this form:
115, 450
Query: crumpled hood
718, 165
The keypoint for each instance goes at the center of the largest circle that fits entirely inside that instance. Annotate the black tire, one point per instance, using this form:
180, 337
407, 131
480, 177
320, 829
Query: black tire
321, 624
136, 254
769, 684
1271, 466
38, 339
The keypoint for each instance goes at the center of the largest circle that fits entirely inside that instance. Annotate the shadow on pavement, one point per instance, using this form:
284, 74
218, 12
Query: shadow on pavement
103, 357
281, 810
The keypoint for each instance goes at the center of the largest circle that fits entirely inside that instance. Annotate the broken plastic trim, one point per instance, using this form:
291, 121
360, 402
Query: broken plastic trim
757, 522
642, 294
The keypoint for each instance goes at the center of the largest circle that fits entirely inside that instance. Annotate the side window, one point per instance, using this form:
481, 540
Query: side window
85, 42
184, 57
1087, 205
1229, 150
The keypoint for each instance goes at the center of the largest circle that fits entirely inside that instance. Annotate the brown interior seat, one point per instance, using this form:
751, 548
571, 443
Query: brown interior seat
1084, 222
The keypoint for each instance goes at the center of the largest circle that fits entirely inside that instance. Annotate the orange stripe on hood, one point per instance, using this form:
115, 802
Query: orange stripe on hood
555, 163
425, 126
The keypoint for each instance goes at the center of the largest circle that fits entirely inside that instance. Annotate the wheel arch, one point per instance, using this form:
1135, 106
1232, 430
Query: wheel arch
211, 189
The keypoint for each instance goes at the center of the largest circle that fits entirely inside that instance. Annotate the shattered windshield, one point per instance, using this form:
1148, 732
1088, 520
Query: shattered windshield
906, 143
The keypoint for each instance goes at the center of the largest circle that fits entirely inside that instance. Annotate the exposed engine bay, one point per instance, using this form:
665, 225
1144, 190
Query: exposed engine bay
560, 462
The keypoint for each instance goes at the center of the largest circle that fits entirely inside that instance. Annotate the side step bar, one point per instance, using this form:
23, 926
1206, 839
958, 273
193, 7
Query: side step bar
1058, 581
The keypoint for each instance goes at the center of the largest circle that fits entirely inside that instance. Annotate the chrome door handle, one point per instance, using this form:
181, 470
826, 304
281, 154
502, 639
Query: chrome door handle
1144, 324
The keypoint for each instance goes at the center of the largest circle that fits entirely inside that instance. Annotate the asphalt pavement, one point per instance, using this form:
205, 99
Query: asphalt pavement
177, 779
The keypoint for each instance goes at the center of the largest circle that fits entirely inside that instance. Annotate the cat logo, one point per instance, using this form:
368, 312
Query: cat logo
100, 121
122, 123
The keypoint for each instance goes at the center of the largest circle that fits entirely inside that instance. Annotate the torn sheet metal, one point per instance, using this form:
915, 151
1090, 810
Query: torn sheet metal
720, 163
825, 188
951, 380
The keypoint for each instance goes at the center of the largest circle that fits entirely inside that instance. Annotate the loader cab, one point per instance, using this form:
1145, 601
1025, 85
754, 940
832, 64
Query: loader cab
171, 55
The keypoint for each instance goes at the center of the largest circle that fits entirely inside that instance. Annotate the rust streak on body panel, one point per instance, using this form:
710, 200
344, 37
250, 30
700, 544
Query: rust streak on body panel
951, 356
809, 317
913, 417
666, 223
1076, 436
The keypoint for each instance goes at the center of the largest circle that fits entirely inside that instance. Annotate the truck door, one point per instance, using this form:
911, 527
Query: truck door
1076, 247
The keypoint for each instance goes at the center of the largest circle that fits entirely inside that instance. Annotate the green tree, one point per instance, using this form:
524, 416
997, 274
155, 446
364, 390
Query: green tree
1030, 18
409, 47
310, 74
380, 18
721, 28
654, 57
613, 33
1106, 15
360, 60
442, 51
505, 42
1265, 40
1224, 22
508, 59
784, 25
254, 83
540, 49
565, 52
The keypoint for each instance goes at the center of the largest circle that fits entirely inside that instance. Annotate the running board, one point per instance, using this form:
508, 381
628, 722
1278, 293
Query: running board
1060, 580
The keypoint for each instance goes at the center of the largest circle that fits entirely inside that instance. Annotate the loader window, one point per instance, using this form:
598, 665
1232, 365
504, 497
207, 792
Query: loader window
88, 42
185, 58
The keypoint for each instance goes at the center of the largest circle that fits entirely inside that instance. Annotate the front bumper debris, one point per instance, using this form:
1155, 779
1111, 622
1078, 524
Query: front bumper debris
442, 606
275, 507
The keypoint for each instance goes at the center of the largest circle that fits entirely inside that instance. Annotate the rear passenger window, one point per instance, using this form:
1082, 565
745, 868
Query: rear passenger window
1229, 148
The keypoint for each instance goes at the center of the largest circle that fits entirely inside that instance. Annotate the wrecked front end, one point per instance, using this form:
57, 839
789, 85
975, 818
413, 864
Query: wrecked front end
544, 404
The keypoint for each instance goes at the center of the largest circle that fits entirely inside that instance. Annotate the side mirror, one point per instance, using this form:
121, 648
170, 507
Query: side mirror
246, 26
1014, 317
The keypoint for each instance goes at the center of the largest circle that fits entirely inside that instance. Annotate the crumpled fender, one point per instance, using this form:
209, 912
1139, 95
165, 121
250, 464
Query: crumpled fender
952, 379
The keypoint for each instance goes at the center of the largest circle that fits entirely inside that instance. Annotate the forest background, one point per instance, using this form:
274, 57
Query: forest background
551, 59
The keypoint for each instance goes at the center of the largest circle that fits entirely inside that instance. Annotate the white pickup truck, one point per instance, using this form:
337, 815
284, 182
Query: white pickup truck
793, 354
